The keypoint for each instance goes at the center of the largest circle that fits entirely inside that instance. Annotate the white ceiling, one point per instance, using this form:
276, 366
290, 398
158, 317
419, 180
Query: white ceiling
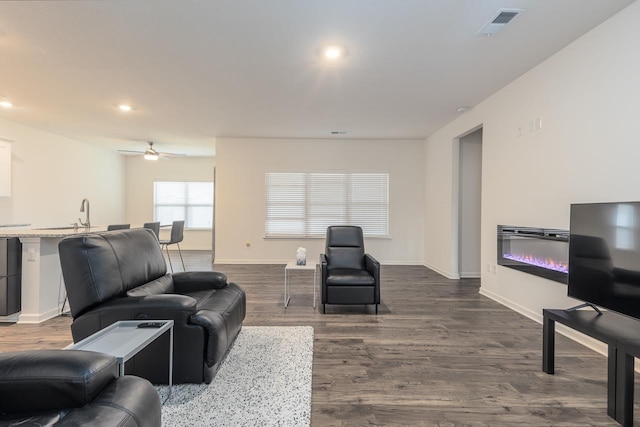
197, 70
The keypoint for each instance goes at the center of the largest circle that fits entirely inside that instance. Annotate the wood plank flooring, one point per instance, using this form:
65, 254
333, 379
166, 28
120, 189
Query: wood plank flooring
437, 354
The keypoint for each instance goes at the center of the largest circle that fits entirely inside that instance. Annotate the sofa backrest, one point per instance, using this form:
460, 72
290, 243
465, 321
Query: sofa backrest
345, 247
100, 266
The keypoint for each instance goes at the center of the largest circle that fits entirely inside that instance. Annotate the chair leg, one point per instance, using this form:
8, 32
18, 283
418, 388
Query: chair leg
324, 310
180, 252
166, 247
376, 308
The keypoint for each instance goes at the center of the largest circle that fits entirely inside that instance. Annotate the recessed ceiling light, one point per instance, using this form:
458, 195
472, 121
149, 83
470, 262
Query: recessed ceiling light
124, 107
6, 104
333, 52
462, 109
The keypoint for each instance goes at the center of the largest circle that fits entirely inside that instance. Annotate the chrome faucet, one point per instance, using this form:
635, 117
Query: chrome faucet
87, 222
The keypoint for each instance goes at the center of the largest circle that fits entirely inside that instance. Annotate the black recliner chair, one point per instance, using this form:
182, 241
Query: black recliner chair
73, 388
349, 276
122, 275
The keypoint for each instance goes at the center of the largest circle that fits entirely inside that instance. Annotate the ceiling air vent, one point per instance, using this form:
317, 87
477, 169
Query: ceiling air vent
498, 22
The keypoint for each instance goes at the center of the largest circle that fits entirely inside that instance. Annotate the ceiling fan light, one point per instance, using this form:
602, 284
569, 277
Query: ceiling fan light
150, 156
333, 52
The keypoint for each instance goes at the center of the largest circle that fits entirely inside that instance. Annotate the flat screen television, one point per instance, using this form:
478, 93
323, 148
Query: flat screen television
604, 255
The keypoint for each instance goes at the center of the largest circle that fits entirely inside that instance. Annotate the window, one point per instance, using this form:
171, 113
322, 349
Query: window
305, 204
188, 201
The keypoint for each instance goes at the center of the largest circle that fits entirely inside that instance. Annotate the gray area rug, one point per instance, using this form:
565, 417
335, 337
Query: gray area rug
265, 380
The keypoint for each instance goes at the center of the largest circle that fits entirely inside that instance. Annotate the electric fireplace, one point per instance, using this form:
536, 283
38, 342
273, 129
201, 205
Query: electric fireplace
543, 252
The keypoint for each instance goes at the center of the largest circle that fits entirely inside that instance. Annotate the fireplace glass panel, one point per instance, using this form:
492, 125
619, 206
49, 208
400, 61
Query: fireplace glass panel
538, 251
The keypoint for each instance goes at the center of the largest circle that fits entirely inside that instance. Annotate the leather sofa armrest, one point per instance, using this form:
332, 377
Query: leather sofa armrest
45, 380
192, 281
178, 308
127, 401
323, 265
372, 266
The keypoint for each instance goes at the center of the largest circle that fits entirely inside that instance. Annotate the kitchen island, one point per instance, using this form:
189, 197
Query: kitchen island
43, 292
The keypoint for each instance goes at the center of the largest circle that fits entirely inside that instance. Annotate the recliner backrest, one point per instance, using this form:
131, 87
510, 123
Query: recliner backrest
344, 247
101, 266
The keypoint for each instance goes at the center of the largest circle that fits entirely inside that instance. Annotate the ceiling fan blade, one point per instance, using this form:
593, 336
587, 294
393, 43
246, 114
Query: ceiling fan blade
131, 152
170, 154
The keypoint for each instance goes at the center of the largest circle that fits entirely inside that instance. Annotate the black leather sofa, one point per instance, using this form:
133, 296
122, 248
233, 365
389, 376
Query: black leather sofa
73, 388
122, 275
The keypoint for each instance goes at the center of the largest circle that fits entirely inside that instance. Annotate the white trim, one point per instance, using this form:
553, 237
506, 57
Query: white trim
38, 318
470, 275
448, 275
572, 334
285, 261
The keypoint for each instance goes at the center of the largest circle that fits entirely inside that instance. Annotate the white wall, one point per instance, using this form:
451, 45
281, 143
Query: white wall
241, 165
52, 174
587, 151
140, 175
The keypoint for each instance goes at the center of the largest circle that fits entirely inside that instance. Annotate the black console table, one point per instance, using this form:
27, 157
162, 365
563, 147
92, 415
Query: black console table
619, 333
627, 350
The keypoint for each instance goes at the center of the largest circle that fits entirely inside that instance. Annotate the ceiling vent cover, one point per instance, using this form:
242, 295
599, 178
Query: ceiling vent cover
498, 22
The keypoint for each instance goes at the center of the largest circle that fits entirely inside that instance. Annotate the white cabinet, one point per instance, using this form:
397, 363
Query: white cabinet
5, 169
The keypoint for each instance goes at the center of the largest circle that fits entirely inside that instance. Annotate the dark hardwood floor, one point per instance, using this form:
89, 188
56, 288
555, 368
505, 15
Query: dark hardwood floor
437, 354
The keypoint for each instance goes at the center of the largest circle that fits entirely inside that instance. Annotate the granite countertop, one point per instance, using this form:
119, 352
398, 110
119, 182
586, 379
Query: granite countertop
48, 231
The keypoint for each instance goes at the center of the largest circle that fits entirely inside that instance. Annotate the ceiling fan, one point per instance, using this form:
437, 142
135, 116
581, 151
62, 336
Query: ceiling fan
151, 154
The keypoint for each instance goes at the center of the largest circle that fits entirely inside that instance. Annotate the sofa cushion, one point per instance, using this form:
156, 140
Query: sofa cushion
345, 276
345, 258
163, 285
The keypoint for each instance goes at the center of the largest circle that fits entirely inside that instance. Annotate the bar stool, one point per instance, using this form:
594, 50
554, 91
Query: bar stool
153, 226
177, 231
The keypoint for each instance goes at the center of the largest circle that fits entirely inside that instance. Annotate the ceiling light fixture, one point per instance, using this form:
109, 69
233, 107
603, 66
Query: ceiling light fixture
333, 52
6, 104
150, 156
124, 107
462, 109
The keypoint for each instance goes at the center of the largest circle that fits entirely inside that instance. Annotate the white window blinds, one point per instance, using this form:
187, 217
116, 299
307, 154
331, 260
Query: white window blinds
305, 204
188, 201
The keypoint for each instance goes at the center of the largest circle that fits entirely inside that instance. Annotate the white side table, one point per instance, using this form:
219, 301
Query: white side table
294, 266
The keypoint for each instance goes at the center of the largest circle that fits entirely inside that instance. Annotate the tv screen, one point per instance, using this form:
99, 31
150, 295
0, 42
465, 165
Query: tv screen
604, 255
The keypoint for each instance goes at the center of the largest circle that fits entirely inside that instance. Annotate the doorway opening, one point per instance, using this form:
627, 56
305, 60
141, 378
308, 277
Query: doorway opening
467, 199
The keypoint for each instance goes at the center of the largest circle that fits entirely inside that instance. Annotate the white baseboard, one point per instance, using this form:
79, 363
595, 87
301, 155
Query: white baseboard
470, 275
572, 334
251, 261
38, 318
446, 274
284, 261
